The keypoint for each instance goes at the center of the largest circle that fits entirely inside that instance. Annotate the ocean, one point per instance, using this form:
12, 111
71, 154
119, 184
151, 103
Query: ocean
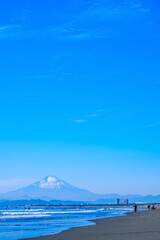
20, 223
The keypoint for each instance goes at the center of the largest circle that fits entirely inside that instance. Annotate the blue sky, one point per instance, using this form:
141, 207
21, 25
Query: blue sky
79, 94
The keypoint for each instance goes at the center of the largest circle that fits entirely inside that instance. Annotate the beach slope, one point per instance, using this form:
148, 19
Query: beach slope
141, 226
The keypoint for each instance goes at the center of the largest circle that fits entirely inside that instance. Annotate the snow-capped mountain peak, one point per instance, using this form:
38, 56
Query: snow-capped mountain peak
51, 188
51, 182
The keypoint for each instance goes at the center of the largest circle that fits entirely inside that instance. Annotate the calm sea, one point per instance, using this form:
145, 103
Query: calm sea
20, 223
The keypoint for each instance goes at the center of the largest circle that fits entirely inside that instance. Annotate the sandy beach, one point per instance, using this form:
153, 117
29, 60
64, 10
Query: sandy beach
140, 226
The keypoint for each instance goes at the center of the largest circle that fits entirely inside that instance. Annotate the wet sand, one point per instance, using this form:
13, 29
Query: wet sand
140, 226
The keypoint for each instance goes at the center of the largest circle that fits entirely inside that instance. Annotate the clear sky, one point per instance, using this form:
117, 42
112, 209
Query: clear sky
80, 94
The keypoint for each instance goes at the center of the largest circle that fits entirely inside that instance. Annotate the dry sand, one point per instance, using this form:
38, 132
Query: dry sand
141, 226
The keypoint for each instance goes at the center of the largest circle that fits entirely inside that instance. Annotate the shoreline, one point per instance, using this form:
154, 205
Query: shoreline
144, 225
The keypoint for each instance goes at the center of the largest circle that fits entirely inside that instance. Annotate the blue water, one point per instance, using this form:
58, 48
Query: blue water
20, 223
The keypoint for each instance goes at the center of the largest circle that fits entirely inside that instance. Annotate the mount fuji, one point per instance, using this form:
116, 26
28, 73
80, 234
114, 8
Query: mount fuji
50, 188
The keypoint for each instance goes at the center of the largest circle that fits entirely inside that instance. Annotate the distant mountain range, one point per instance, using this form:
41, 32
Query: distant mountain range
56, 190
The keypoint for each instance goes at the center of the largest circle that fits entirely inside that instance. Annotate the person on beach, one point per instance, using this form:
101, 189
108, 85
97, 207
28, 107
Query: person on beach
135, 208
153, 207
149, 206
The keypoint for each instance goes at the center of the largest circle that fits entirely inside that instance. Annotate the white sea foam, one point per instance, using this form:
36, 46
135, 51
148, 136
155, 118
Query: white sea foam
23, 216
43, 213
38, 213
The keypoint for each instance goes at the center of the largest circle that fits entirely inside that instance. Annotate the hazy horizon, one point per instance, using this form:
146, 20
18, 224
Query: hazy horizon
79, 94
54, 176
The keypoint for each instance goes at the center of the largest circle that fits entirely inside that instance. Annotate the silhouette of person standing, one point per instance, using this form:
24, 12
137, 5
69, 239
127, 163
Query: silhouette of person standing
153, 207
135, 208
